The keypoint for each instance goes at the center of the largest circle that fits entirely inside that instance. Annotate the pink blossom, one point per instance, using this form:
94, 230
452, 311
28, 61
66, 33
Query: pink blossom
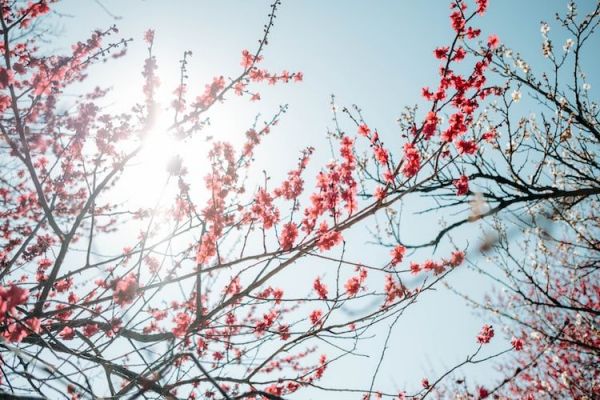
315, 316
462, 185
397, 254
486, 334
125, 290
412, 160
517, 343
493, 41
320, 288
289, 234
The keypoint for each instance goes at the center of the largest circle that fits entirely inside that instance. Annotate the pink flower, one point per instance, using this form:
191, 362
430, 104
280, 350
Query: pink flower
248, 59
414, 268
486, 334
481, 6
182, 322
67, 333
412, 160
457, 127
427, 94
364, 130
90, 330
517, 343
466, 147
266, 322
328, 238
14, 332
432, 266
149, 36
288, 236
398, 254
315, 316
11, 298
462, 185
483, 392
34, 324
264, 210
441, 52
320, 288
234, 287
354, 284
473, 33
430, 125
392, 289
381, 155
489, 135
380, 193
457, 258
493, 41
457, 21
284, 331
125, 290
459, 54
63, 285
210, 92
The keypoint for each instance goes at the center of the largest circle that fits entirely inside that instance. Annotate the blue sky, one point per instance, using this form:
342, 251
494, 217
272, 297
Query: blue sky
376, 54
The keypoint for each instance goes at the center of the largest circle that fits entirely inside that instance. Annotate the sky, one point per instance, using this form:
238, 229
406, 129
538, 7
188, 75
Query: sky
376, 54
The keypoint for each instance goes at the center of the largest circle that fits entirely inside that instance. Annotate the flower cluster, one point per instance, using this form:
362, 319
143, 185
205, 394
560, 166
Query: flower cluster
486, 334
337, 189
462, 185
12, 329
356, 282
397, 254
462, 92
125, 289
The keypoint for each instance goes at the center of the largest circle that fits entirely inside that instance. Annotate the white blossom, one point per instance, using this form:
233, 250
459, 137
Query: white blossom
568, 44
545, 28
516, 95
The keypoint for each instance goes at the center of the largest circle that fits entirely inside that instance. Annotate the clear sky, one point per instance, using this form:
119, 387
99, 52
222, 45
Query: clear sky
376, 54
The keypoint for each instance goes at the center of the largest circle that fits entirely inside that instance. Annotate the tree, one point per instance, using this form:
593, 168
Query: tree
539, 191
544, 183
194, 305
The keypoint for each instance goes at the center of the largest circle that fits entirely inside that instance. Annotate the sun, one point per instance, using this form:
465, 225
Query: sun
145, 178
